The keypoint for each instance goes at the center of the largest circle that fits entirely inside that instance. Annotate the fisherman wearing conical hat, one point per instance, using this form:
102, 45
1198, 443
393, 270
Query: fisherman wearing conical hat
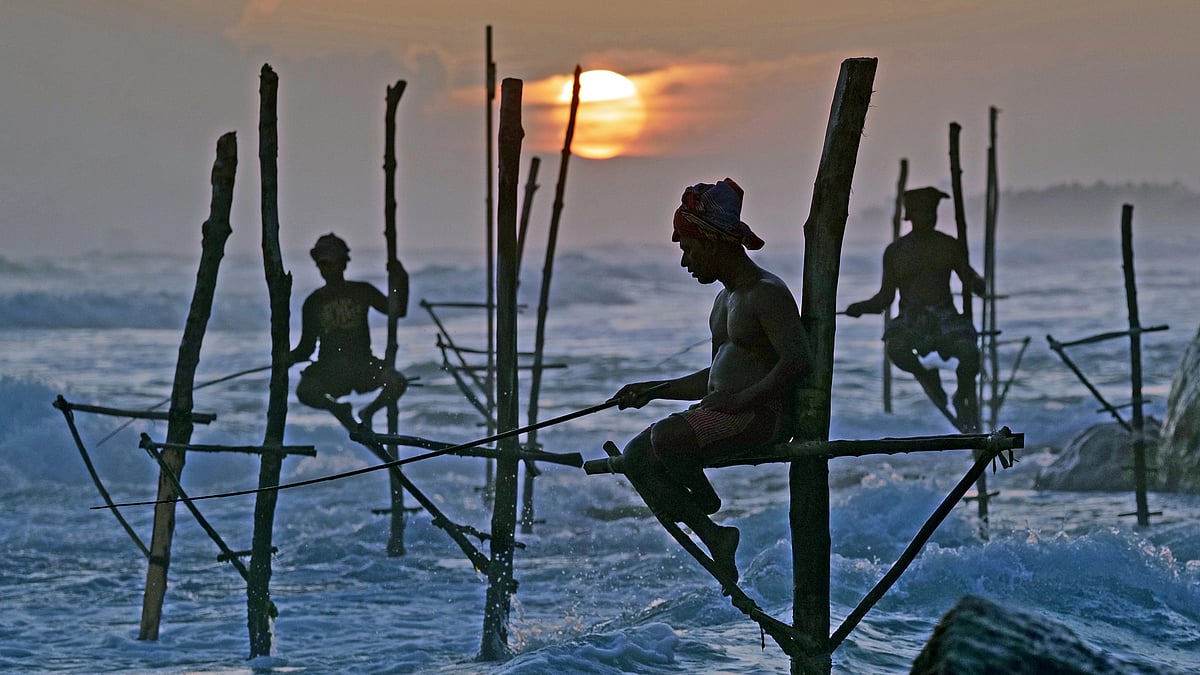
757, 354
919, 265
335, 315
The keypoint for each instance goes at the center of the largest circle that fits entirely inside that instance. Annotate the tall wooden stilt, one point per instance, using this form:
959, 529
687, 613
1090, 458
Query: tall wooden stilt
960, 219
809, 478
494, 644
990, 322
535, 385
1135, 361
490, 375
215, 232
897, 220
260, 611
397, 304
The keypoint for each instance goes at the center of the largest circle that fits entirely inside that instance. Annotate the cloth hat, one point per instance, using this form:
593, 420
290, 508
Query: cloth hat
330, 247
922, 199
714, 211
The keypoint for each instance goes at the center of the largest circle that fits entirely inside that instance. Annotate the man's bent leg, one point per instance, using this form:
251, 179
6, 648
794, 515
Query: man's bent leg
394, 386
905, 358
311, 392
674, 438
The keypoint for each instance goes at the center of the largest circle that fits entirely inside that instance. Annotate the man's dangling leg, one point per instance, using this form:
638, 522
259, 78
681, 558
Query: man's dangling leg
905, 358
394, 386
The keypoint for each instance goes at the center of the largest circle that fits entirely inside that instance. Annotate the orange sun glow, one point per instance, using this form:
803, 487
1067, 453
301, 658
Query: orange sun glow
611, 114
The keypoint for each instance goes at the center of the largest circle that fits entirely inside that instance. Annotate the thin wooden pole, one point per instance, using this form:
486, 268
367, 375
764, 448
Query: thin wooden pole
897, 220
531, 186
494, 643
215, 232
990, 320
260, 611
535, 385
960, 219
397, 304
490, 375
809, 478
1135, 361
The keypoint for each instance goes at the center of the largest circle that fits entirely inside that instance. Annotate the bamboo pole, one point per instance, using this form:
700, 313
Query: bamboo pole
65, 407
897, 220
260, 611
535, 385
397, 304
995, 443
809, 478
490, 375
960, 219
990, 320
531, 186
494, 643
215, 231
1135, 362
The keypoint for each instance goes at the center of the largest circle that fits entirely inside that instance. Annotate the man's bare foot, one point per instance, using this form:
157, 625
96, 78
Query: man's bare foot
365, 415
723, 547
343, 412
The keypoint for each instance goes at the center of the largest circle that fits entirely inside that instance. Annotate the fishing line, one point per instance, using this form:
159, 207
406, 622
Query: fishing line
371, 440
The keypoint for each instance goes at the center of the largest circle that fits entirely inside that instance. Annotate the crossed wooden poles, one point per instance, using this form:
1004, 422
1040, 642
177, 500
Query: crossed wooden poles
1136, 425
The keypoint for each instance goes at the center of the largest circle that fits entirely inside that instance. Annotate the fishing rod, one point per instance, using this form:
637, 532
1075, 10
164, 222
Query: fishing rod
370, 438
167, 400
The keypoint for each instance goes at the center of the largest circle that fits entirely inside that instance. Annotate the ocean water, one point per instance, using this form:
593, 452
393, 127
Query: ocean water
602, 588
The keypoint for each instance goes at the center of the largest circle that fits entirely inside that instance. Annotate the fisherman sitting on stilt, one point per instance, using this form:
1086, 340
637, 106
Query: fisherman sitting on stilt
919, 264
757, 354
336, 316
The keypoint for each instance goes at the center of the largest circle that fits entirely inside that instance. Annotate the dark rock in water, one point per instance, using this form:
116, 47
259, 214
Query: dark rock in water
979, 636
1179, 456
1100, 458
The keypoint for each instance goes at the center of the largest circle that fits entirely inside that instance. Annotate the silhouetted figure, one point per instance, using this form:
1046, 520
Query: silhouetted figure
757, 354
919, 264
335, 315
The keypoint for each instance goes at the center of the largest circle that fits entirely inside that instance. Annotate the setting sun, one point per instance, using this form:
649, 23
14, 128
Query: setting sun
611, 114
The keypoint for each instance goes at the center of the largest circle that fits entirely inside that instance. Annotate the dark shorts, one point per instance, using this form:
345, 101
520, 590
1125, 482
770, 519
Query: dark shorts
940, 329
719, 433
338, 378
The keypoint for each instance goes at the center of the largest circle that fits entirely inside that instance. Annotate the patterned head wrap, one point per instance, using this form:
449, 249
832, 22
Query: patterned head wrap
714, 211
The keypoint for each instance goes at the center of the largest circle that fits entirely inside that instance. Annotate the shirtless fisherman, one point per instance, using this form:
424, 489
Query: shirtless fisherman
336, 316
758, 351
919, 265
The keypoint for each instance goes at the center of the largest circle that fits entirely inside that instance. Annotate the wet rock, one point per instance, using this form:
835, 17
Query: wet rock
1180, 447
979, 636
1100, 459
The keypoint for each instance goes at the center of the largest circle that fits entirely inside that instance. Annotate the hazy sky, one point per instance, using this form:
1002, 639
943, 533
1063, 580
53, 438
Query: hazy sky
111, 110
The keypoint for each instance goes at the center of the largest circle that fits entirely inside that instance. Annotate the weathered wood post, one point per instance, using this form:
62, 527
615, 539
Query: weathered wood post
260, 611
397, 303
1135, 361
809, 478
531, 186
179, 427
897, 220
489, 377
990, 322
535, 381
960, 219
494, 645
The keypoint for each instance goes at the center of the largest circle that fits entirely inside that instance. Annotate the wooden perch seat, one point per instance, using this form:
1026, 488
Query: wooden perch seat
567, 459
305, 450
999, 444
65, 405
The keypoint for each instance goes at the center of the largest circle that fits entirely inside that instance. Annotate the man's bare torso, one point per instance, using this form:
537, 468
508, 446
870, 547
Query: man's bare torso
742, 353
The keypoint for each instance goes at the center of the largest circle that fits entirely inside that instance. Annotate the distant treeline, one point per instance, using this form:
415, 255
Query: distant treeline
1067, 207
